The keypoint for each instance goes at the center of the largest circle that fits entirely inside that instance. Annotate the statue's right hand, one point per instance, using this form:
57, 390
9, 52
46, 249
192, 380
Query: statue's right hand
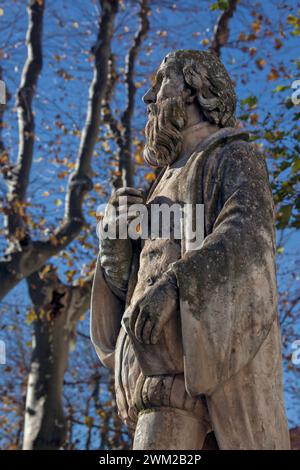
116, 253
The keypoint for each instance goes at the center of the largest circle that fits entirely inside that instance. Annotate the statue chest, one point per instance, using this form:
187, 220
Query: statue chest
163, 243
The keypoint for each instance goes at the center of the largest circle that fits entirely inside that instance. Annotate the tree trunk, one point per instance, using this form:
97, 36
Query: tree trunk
57, 308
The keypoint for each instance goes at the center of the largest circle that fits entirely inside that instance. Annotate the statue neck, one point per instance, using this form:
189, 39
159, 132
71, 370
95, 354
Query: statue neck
193, 135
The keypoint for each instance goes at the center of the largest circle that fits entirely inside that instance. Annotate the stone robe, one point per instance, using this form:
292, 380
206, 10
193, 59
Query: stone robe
225, 339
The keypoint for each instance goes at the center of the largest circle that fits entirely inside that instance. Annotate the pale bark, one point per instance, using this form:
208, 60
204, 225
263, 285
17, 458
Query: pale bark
18, 178
57, 308
24, 255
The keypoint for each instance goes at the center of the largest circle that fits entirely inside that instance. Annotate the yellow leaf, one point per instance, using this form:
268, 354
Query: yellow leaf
70, 274
45, 271
61, 175
89, 420
256, 25
31, 316
139, 159
4, 158
150, 176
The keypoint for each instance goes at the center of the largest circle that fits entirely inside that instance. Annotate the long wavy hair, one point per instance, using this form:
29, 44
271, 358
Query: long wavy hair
206, 75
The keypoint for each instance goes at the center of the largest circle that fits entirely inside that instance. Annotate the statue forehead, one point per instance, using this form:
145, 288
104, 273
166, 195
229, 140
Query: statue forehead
169, 61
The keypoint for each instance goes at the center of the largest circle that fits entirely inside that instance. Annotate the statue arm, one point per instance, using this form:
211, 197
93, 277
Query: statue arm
227, 288
107, 307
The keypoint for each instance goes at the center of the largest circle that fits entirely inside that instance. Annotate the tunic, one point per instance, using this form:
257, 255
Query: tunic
228, 322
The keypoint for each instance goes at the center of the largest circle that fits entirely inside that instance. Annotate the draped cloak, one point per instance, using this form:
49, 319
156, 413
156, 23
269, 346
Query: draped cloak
227, 294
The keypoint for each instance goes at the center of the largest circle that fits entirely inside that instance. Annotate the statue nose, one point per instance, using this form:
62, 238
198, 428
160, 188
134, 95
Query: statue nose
149, 97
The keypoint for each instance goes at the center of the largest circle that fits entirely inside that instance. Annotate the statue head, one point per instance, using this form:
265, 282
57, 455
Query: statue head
185, 79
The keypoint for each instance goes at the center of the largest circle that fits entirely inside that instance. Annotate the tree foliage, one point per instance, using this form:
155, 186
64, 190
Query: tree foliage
70, 133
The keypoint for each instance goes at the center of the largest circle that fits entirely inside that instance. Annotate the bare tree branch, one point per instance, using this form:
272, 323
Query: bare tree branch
18, 178
2, 109
125, 156
29, 256
122, 129
221, 29
107, 115
80, 180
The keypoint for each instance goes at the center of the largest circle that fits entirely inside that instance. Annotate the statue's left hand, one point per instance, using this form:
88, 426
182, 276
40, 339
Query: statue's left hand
153, 311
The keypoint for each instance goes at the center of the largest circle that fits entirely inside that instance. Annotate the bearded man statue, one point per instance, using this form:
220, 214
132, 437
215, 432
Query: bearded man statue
193, 335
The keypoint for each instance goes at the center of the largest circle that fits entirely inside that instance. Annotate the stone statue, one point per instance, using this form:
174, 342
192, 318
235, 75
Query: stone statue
193, 335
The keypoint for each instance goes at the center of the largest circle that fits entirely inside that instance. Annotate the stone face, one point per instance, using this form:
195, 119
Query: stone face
195, 345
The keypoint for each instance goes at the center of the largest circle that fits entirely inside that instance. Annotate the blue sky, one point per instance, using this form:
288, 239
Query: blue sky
60, 103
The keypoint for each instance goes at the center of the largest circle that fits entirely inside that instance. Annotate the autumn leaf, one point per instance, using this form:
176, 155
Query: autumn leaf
61, 175
31, 316
260, 63
65, 75
204, 42
273, 75
89, 421
150, 177
161, 33
70, 274
253, 119
3, 159
256, 26
139, 158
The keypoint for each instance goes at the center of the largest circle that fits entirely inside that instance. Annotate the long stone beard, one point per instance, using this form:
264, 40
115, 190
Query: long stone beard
164, 132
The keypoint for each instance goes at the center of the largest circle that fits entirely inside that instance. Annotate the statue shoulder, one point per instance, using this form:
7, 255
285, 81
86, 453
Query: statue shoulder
241, 153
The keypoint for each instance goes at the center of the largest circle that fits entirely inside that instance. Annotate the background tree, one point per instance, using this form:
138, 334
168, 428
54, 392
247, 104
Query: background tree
69, 149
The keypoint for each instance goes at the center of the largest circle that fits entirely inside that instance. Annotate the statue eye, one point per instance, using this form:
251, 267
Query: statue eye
157, 80
159, 77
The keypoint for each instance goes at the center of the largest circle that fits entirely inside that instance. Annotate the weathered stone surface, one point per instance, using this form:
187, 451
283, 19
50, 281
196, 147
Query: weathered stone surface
195, 344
